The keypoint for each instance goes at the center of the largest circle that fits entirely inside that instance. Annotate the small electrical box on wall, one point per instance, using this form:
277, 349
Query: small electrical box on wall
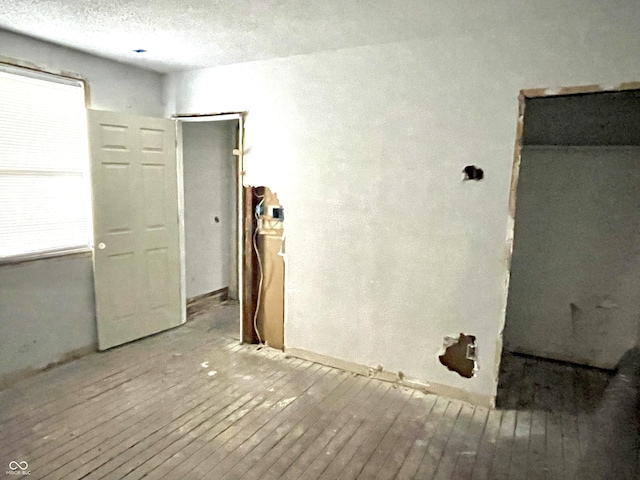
277, 213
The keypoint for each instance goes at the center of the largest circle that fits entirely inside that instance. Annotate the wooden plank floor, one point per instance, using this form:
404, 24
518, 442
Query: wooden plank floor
192, 403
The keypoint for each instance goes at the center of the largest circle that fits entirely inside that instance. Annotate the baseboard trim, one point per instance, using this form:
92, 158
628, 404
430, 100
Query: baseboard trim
11, 378
381, 374
559, 357
201, 302
221, 292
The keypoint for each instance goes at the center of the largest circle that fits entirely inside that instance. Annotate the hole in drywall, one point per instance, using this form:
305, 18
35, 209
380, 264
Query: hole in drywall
460, 355
471, 172
140, 50
216, 219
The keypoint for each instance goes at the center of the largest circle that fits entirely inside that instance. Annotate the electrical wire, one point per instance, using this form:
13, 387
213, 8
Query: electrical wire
255, 248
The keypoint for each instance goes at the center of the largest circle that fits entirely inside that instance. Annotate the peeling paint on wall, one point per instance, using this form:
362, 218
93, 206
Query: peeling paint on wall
607, 302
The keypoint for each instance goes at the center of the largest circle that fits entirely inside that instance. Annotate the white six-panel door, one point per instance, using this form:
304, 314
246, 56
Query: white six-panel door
136, 236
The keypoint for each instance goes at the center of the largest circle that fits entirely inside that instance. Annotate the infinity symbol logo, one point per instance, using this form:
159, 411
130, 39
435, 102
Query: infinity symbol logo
18, 465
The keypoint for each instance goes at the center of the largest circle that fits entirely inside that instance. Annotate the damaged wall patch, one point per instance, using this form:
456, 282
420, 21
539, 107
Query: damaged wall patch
460, 355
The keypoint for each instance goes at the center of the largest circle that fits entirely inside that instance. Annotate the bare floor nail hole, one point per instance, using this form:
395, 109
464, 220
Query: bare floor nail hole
471, 172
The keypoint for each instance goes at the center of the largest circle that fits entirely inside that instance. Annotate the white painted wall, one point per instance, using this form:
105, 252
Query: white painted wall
209, 192
47, 307
577, 240
112, 86
388, 250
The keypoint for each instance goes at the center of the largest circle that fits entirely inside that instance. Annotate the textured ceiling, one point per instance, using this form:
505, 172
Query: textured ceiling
180, 35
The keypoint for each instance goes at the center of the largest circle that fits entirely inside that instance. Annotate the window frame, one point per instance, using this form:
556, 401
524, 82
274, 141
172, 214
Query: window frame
66, 78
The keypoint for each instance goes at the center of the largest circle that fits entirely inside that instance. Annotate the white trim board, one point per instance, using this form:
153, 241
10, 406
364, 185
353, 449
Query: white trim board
207, 118
438, 389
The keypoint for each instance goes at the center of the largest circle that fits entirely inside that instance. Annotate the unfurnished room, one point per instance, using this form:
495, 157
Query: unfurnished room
330, 240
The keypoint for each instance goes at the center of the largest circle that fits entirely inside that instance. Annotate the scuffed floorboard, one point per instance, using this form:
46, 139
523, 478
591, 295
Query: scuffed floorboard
192, 403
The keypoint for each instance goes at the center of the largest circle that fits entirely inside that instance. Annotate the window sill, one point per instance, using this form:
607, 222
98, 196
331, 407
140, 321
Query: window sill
36, 257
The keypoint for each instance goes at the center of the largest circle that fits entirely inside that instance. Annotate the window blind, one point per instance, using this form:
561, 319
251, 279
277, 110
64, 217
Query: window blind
44, 165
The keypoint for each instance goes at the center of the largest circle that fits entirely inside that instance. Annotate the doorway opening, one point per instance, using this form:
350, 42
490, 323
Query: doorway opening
233, 235
211, 164
575, 264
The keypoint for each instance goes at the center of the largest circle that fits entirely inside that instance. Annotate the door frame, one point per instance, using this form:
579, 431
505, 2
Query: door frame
524, 95
238, 152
